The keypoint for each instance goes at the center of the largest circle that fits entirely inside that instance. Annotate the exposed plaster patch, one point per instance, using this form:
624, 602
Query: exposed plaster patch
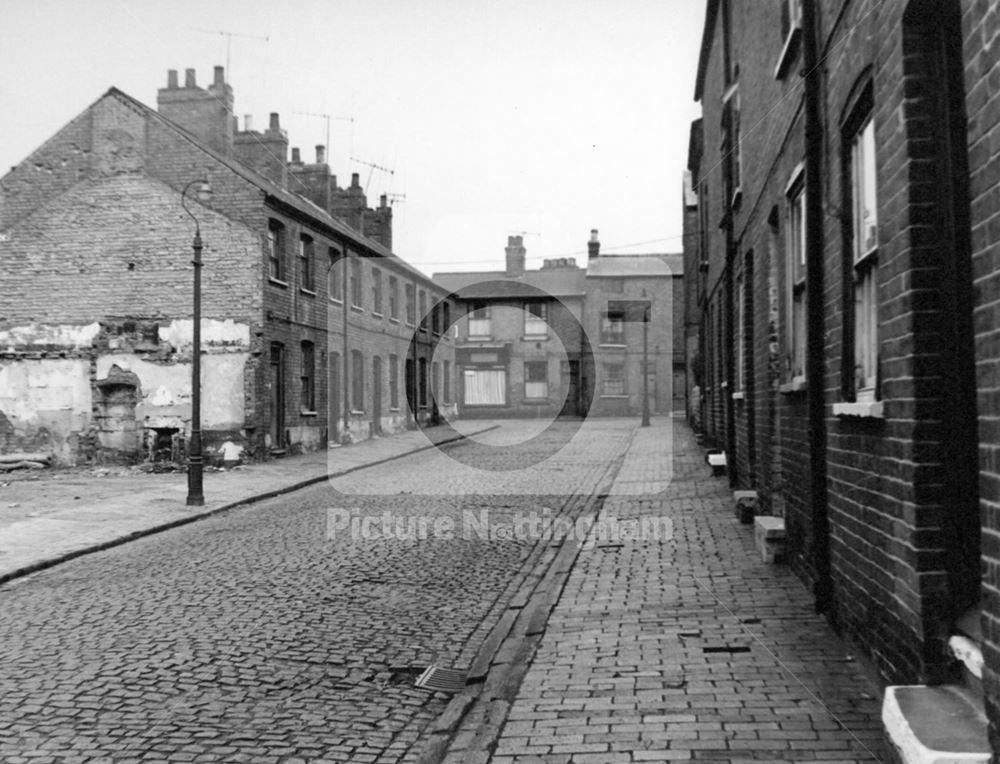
213, 332
61, 335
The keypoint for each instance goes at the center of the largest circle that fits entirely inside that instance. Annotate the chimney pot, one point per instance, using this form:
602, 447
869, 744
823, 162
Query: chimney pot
275, 123
295, 156
189, 81
320, 154
220, 76
172, 79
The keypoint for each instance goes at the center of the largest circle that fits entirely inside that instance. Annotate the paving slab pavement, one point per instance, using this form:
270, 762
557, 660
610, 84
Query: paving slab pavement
685, 648
49, 516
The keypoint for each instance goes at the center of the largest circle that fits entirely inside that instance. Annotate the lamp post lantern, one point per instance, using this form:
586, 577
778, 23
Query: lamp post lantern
196, 494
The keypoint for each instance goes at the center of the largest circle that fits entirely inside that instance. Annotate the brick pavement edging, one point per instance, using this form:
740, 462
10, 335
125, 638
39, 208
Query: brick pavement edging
196, 515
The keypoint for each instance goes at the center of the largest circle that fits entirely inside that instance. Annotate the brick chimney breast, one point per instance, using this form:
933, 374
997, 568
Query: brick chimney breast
594, 245
206, 114
516, 254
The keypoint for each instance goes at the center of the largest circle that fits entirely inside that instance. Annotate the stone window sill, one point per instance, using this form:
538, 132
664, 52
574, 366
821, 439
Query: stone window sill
306, 290
278, 282
863, 410
307, 412
795, 386
738, 396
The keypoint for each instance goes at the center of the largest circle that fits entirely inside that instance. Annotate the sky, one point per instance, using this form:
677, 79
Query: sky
482, 118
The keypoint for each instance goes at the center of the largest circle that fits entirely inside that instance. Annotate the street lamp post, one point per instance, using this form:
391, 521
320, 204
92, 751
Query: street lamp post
645, 365
196, 494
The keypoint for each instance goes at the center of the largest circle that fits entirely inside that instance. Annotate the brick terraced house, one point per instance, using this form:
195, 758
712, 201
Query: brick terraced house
520, 341
313, 331
841, 231
568, 341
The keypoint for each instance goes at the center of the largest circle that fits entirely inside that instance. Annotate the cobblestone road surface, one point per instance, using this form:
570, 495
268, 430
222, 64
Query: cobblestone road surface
255, 636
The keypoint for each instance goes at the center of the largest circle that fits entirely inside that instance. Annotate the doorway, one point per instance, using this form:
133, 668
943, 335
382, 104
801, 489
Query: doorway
277, 389
376, 395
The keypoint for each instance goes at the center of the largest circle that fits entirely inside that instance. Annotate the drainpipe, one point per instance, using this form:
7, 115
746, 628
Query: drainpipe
730, 356
346, 364
815, 328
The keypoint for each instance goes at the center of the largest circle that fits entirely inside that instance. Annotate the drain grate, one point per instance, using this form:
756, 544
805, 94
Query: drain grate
441, 679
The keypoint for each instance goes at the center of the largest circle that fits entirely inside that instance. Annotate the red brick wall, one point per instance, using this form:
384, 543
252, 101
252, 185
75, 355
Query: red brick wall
981, 27
899, 517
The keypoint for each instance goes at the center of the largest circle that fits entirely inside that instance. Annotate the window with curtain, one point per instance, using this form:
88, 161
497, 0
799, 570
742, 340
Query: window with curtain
307, 276
536, 316
485, 387
536, 379
864, 259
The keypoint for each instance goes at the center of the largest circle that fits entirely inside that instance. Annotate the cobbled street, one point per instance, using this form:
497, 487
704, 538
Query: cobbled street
259, 635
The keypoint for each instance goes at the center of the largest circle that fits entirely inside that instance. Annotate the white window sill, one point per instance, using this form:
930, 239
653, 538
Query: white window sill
307, 412
738, 396
622, 397
864, 409
277, 282
355, 412
394, 409
724, 386
613, 345
535, 338
306, 290
795, 386
394, 320
377, 314
335, 301
357, 309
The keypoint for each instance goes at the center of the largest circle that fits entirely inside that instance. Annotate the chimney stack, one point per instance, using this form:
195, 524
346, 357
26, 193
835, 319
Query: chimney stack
247, 122
206, 113
355, 180
594, 245
296, 157
515, 256
275, 124
320, 154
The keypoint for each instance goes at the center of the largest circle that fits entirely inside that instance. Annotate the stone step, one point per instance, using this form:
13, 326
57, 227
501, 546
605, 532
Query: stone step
717, 461
935, 725
769, 536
